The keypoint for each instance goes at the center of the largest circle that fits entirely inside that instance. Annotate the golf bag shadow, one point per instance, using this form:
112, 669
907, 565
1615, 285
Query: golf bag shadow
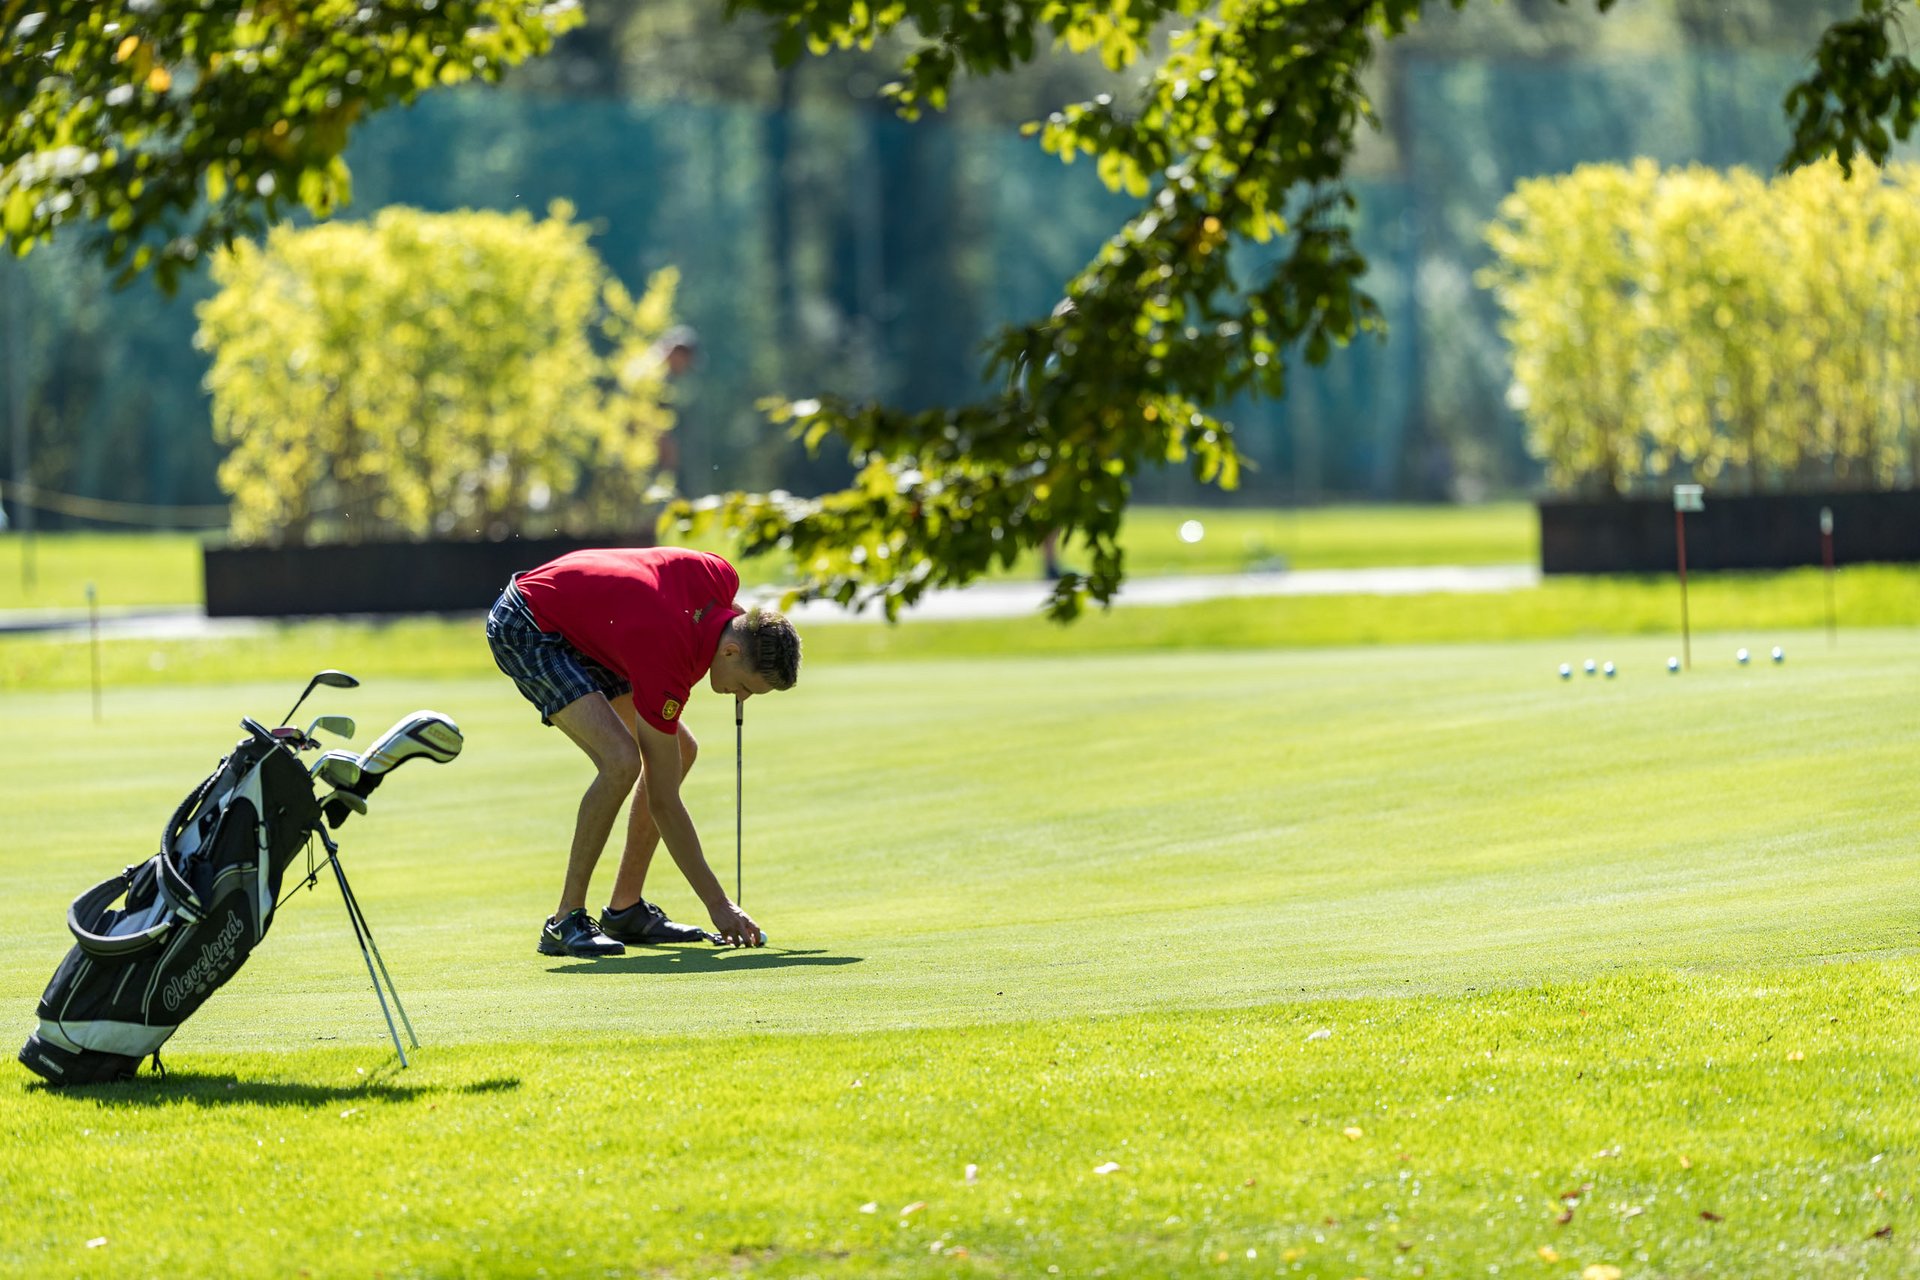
189, 916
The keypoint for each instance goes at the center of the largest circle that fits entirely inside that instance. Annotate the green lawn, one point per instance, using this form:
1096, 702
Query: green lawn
1578, 611
1614, 974
134, 569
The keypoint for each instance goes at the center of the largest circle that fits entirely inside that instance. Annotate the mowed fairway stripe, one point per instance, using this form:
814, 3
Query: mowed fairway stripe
982, 841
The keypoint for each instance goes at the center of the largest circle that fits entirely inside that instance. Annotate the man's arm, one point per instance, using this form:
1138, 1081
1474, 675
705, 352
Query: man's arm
660, 754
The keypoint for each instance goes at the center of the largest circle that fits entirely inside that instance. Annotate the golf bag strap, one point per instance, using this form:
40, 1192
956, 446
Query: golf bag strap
90, 904
173, 886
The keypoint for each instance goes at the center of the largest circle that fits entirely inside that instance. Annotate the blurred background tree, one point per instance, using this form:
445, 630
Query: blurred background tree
1715, 327
462, 374
830, 247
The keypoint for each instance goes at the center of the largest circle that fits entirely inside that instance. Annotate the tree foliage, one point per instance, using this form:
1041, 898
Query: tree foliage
452, 374
1238, 262
1715, 326
170, 129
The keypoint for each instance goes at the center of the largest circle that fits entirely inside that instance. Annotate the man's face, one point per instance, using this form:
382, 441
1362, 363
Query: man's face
730, 674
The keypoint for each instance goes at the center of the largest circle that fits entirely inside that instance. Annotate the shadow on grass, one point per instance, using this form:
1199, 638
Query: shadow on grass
696, 960
215, 1089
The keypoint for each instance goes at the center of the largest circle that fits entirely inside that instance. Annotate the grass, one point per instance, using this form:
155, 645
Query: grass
142, 569
1582, 611
1623, 953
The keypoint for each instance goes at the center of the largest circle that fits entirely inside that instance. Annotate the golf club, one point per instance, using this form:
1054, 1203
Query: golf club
338, 769
346, 800
332, 679
338, 726
738, 717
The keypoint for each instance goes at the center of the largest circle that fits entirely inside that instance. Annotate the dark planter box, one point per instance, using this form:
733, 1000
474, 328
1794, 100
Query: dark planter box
1767, 531
376, 577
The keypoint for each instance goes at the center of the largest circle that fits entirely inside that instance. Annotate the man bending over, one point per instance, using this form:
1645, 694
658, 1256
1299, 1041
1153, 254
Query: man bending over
608, 644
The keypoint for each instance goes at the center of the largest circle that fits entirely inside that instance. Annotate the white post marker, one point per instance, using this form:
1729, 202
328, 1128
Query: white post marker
1826, 559
93, 635
1686, 497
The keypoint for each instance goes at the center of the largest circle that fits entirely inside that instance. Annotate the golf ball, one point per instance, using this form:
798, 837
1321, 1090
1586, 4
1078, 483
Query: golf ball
763, 938
1609, 670
1740, 657
1591, 666
1566, 671
1673, 665
1779, 654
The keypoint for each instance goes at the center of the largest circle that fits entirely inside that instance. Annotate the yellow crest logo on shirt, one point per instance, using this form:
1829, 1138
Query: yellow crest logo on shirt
670, 709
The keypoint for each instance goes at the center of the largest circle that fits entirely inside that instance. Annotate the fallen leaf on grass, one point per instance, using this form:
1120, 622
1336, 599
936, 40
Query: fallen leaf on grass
1548, 1253
1322, 1034
1108, 1167
870, 1207
1685, 1163
1354, 1132
97, 1241
1796, 1056
973, 1174
1220, 1256
1632, 1211
1607, 1153
1601, 1271
1249, 1182
913, 1208
1708, 1215
1565, 1218
1884, 1233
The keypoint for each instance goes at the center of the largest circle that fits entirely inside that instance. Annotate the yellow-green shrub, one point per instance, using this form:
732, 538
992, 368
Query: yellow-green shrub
462, 374
1715, 326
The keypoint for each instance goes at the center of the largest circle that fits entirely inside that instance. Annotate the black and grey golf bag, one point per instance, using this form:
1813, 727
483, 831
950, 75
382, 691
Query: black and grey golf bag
192, 914
188, 917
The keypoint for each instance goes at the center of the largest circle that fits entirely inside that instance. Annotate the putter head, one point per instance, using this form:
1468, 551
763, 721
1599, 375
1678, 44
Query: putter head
422, 735
338, 726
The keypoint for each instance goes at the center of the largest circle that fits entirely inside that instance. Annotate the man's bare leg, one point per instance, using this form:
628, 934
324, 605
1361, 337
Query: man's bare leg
599, 731
643, 837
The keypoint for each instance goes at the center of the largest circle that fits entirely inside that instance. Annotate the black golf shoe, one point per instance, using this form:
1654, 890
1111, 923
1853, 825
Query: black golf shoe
578, 934
646, 925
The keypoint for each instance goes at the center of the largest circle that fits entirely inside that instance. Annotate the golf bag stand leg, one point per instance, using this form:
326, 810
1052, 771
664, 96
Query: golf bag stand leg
370, 952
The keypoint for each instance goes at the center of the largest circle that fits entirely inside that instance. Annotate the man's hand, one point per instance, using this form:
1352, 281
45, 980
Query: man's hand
734, 927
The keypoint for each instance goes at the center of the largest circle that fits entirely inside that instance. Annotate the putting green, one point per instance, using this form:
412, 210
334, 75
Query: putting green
1124, 873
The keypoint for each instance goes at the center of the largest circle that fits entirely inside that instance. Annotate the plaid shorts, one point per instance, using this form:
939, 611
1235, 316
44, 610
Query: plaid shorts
550, 672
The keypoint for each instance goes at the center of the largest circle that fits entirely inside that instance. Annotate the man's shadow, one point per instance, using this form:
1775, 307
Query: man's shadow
697, 959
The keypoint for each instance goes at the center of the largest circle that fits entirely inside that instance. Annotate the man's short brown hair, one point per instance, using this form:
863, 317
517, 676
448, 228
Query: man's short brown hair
772, 646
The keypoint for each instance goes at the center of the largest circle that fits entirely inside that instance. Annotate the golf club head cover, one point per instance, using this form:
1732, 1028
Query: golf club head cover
423, 733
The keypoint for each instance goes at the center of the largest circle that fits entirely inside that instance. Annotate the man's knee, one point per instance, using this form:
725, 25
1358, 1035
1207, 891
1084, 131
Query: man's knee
621, 768
689, 749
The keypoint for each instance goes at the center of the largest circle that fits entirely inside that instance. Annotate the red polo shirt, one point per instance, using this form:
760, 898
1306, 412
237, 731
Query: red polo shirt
651, 614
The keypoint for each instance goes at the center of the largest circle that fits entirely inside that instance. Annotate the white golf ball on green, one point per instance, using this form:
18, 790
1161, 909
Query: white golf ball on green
1779, 654
1741, 657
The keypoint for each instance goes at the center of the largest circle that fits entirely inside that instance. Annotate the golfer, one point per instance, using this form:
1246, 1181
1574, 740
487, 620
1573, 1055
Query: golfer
608, 645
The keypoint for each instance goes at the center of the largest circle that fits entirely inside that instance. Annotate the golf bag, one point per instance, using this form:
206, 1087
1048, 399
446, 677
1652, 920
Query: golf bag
189, 916
192, 915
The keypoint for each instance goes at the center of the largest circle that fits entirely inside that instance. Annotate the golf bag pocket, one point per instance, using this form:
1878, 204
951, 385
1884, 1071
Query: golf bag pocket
135, 974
